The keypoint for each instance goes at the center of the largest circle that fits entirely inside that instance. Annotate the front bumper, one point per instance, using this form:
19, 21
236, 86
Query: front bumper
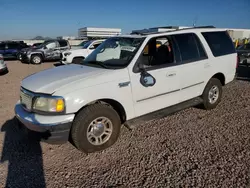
50, 129
25, 58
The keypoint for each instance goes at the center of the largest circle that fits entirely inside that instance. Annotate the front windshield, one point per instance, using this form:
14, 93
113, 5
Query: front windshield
42, 44
115, 52
82, 43
86, 45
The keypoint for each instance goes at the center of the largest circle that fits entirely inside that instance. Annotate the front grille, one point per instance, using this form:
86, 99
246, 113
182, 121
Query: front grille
26, 100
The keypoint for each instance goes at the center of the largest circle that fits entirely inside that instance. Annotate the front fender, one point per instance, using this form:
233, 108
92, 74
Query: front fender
79, 98
34, 53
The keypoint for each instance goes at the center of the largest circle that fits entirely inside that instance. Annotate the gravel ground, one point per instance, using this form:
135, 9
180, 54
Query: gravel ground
192, 148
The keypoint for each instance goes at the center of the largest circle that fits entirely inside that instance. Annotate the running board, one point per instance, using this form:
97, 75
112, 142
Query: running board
130, 124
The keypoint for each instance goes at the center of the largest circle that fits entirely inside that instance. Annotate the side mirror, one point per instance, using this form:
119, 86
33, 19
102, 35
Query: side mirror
91, 47
147, 80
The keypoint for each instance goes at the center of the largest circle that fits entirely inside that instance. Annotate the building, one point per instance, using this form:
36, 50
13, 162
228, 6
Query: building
91, 32
67, 37
239, 33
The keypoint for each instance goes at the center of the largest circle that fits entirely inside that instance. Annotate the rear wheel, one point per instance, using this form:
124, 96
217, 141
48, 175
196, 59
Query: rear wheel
36, 59
77, 60
212, 94
95, 128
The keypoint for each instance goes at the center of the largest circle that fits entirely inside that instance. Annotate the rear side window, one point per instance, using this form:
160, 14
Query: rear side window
63, 43
219, 42
2, 46
190, 47
13, 45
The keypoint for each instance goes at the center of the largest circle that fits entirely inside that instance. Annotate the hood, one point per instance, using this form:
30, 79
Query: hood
50, 80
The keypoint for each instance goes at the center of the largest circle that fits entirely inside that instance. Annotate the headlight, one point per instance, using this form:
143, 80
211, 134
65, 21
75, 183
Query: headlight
67, 53
28, 52
49, 104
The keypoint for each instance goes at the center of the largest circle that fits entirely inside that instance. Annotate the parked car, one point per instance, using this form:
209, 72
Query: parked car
3, 66
118, 84
244, 54
10, 49
49, 50
78, 55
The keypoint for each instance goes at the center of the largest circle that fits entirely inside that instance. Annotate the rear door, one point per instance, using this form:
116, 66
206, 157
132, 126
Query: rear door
194, 69
11, 50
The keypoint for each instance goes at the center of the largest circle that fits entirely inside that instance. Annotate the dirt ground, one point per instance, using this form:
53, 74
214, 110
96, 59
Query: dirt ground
192, 148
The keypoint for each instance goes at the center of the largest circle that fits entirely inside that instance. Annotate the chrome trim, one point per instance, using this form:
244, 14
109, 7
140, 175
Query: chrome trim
170, 92
158, 95
192, 85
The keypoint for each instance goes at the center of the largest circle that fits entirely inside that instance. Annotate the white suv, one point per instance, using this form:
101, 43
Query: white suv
78, 55
127, 79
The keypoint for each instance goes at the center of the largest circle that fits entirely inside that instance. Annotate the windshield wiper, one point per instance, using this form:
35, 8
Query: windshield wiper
97, 63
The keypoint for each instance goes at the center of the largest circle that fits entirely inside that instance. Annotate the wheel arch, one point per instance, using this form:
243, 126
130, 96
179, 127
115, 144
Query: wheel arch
113, 103
37, 53
220, 76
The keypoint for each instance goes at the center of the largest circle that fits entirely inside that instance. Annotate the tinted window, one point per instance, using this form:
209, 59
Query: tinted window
187, 46
219, 42
13, 45
2, 46
63, 43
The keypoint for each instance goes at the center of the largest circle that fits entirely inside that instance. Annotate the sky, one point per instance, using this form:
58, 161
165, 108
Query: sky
25, 19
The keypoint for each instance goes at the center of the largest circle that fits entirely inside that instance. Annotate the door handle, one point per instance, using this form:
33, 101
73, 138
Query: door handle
171, 74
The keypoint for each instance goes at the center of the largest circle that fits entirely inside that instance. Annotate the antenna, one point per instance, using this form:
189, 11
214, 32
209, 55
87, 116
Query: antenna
195, 21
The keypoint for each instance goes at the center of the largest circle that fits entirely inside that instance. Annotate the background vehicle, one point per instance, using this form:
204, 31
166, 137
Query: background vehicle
244, 54
3, 66
10, 49
119, 83
77, 55
49, 50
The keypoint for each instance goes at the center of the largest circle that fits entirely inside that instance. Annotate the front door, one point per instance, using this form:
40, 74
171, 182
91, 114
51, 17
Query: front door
162, 74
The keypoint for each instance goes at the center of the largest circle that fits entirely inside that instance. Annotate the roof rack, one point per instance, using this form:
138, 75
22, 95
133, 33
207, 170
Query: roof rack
171, 29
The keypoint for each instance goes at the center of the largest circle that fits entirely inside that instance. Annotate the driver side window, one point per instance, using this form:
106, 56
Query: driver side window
95, 45
51, 45
157, 53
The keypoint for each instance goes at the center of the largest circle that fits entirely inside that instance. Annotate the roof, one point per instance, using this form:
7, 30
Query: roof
184, 30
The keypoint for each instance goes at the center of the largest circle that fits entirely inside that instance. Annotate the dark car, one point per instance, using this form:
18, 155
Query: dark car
244, 53
10, 49
49, 50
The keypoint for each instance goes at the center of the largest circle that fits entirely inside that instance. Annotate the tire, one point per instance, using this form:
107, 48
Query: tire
81, 128
215, 85
77, 60
36, 59
19, 57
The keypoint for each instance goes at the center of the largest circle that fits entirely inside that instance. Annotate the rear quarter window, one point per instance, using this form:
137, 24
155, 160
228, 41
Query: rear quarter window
219, 42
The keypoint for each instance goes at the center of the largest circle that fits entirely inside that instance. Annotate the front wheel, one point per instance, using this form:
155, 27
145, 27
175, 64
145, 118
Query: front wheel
95, 128
36, 59
212, 94
77, 60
